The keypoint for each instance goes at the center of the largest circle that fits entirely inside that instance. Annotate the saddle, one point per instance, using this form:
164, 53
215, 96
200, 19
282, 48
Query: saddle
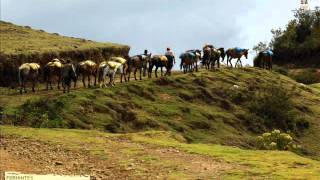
55, 63
163, 58
238, 50
114, 65
118, 59
87, 63
103, 64
267, 53
32, 66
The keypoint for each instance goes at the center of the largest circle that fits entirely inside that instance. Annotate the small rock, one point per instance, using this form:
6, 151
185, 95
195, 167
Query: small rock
58, 163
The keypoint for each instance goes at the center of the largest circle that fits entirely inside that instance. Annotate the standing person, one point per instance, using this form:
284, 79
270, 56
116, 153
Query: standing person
170, 55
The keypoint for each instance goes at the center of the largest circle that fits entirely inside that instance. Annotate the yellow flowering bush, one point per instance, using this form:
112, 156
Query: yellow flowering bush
275, 140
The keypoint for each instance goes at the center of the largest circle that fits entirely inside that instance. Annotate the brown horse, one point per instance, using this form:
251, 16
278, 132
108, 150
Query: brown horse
207, 54
236, 53
28, 71
139, 62
160, 61
87, 69
264, 60
189, 60
51, 69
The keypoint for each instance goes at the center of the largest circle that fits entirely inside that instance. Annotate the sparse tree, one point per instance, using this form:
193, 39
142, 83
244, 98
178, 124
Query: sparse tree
261, 46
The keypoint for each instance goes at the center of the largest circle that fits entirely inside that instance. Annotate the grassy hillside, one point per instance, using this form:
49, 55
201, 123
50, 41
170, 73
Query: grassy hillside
227, 106
24, 40
21, 44
153, 154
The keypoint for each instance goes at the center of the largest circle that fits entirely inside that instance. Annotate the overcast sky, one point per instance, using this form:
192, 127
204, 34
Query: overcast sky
156, 24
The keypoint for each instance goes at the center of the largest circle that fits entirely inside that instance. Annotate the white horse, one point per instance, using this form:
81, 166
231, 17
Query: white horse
28, 71
110, 68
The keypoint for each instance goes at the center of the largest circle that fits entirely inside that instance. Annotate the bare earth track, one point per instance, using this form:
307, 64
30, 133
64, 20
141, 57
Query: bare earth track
125, 160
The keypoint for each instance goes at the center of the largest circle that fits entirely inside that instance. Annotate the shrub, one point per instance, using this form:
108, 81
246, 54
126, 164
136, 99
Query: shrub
280, 70
275, 109
43, 112
276, 140
309, 76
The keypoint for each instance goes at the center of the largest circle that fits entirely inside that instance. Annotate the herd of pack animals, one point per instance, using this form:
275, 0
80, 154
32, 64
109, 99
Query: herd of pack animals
67, 71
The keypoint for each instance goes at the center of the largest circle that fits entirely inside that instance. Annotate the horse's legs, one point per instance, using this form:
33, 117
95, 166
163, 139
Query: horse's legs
239, 60
135, 74
47, 85
59, 80
21, 84
140, 73
95, 79
33, 84
84, 83
156, 72
161, 71
113, 78
129, 74
89, 79
230, 62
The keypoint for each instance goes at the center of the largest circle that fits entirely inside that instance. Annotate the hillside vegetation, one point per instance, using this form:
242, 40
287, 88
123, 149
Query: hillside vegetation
227, 106
21, 44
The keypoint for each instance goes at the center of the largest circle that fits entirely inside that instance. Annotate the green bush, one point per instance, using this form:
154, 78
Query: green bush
274, 109
276, 141
42, 113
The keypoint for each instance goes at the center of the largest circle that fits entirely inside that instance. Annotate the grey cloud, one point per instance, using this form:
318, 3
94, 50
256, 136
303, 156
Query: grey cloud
152, 24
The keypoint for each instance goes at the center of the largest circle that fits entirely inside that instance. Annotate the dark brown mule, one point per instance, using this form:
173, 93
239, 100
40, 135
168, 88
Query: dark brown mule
236, 53
68, 73
139, 62
52, 69
263, 60
87, 69
159, 61
28, 71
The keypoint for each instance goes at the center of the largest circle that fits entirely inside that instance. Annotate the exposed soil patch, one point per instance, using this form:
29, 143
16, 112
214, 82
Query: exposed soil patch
122, 159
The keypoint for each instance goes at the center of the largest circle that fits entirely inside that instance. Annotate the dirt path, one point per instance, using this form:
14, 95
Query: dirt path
117, 159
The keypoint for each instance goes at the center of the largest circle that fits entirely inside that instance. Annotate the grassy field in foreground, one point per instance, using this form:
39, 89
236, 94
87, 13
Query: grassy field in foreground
249, 164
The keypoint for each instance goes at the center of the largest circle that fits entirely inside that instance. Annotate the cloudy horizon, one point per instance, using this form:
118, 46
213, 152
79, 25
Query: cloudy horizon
157, 24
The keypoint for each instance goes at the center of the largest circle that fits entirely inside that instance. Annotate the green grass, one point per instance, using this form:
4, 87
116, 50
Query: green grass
24, 40
248, 163
317, 86
202, 108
